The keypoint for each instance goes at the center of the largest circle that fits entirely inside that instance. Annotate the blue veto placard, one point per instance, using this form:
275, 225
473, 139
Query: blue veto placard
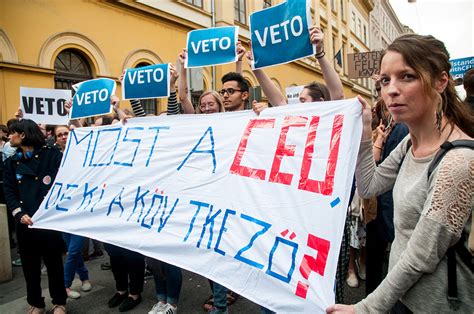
147, 82
460, 66
280, 34
92, 98
212, 46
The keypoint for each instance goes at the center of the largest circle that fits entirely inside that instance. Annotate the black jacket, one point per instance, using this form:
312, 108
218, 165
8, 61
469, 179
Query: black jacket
26, 181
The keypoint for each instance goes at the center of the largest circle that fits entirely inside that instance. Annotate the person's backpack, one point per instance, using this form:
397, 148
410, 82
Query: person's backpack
459, 248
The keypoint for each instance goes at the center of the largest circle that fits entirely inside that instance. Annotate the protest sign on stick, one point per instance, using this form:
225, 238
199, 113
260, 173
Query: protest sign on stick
44, 105
255, 203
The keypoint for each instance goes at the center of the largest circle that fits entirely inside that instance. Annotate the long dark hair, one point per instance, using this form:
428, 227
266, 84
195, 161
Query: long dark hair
33, 135
317, 91
429, 58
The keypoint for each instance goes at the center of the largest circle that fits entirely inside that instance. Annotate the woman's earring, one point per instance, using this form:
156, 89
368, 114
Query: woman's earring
439, 113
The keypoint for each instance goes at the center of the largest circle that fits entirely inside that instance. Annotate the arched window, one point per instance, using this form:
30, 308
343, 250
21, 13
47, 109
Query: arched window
149, 105
71, 68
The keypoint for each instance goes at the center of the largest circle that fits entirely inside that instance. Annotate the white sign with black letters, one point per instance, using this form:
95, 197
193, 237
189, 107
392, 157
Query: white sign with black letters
44, 105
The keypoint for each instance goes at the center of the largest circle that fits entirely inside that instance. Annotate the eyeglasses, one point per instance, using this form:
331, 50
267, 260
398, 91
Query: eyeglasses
210, 104
229, 91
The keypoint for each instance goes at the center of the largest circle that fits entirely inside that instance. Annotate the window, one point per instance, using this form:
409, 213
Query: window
196, 3
240, 11
149, 105
334, 5
359, 28
353, 24
267, 3
365, 34
343, 13
71, 68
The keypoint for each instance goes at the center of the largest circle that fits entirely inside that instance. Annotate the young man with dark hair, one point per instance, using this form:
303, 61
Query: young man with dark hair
234, 92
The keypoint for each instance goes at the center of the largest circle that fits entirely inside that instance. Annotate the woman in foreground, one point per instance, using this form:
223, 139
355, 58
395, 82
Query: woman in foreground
430, 211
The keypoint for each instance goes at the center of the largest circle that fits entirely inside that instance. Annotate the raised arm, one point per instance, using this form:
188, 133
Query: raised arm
76, 122
183, 84
270, 90
135, 103
173, 107
240, 54
330, 76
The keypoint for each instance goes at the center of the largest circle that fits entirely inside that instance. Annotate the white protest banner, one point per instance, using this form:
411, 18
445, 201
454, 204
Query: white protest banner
293, 94
256, 204
44, 105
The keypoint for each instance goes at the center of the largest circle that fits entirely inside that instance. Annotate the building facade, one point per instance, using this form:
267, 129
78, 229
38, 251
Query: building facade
55, 43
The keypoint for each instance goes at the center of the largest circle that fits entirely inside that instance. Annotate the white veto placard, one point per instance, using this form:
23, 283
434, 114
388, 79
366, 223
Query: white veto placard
255, 203
293, 94
44, 105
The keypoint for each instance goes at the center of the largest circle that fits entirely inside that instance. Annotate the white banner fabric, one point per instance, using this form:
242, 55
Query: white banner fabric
256, 204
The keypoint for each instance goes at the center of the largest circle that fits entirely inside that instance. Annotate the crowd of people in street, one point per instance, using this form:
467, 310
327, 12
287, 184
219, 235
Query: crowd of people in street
408, 200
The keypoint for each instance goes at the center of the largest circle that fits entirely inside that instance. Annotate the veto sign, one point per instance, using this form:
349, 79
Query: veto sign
92, 98
364, 64
293, 94
280, 34
44, 105
212, 46
147, 82
255, 203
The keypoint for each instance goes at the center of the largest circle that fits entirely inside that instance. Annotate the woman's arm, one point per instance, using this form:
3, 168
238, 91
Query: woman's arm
240, 54
379, 142
135, 103
183, 84
331, 78
270, 90
372, 180
443, 217
173, 107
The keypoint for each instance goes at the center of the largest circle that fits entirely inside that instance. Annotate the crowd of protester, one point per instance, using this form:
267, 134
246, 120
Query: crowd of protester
397, 208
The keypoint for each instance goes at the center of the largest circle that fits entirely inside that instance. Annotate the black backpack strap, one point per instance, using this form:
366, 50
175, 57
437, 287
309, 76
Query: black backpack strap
445, 147
453, 300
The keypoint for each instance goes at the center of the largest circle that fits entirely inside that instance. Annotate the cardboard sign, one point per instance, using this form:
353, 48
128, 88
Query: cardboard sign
44, 105
255, 203
280, 34
363, 64
460, 66
293, 94
147, 82
92, 98
212, 46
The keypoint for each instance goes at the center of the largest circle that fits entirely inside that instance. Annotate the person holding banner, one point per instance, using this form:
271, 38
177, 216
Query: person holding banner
432, 201
28, 176
313, 91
